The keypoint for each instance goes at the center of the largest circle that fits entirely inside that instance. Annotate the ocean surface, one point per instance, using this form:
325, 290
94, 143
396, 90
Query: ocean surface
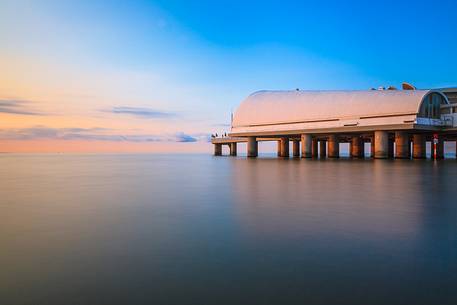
198, 229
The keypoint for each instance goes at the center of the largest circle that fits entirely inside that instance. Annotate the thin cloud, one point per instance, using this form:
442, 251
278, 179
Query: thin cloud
202, 137
182, 137
94, 134
43, 132
21, 107
142, 112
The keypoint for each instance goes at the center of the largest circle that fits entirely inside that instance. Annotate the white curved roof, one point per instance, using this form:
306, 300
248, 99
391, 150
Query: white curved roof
278, 107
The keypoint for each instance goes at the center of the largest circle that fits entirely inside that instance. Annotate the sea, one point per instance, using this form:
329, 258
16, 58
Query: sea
199, 229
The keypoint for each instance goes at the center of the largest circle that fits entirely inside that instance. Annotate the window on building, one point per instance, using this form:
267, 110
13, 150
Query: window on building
430, 107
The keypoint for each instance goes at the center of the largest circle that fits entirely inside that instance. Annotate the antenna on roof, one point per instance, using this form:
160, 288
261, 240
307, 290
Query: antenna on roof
407, 86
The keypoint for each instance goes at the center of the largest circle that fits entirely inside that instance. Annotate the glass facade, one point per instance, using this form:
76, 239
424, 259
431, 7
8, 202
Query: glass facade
430, 107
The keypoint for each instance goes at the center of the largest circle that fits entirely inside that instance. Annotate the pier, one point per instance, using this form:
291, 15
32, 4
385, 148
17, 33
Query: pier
396, 123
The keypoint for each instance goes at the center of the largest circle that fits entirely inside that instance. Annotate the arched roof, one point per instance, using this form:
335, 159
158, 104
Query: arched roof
277, 107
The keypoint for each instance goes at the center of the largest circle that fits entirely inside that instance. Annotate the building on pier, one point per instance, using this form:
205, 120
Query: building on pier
396, 122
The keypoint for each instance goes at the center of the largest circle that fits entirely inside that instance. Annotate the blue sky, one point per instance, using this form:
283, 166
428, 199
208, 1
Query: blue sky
196, 60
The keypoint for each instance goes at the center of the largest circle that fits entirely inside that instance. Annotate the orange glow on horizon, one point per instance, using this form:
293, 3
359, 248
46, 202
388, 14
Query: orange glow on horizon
73, 146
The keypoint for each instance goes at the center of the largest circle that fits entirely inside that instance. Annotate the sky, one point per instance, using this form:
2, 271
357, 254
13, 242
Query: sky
161, 76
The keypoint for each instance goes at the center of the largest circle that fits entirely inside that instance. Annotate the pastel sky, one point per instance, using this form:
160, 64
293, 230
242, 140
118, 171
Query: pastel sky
163, 75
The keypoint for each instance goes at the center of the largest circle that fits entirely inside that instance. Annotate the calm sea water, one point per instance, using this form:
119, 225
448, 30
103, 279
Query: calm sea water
197, 229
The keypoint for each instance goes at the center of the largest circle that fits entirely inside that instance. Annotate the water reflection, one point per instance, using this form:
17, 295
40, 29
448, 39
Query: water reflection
144, 229
378, 226
276, 196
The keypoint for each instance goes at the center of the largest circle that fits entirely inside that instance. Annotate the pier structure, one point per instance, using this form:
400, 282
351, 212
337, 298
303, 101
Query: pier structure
394, 123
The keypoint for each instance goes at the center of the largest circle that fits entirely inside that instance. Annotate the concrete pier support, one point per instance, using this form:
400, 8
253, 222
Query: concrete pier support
285, 147
306, 146
372, 149
419, 148
357, 147
253, 147
402, 145
279, 148
333, 146
218, 149
381, 144
296, 148
233, 149
314, 150
322, 148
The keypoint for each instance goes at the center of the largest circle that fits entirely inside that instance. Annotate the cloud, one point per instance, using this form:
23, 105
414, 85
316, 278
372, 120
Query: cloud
142, 112
182, 137
43, 132
202, 137
95, 134
21, 107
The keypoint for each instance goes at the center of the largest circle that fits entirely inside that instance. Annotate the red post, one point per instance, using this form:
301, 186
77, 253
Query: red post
438, 147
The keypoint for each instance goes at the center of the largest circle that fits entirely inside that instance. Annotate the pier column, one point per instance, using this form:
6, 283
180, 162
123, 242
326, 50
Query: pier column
279, 148
296, 148
253, 147
372, 149
233, 149
381, 144
402, 145
419, 148
322, 148
357, 147
218, 149
306, 146
439, 149
333, 146
285, 147
314, 150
